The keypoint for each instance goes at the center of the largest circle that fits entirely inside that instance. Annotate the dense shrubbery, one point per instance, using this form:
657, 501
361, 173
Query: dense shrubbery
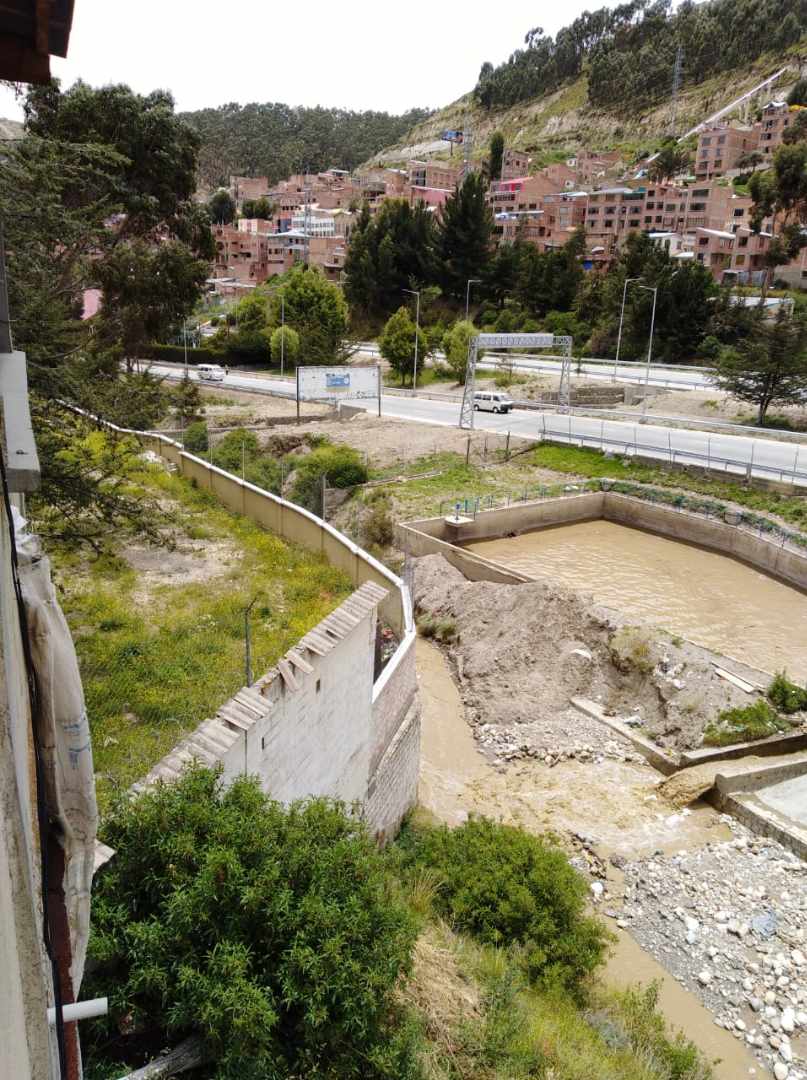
240, 453
508, 887
272, 933
176, 354
195, 439
341, 466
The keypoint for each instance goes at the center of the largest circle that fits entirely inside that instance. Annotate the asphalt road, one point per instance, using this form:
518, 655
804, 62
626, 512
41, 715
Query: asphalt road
734, 453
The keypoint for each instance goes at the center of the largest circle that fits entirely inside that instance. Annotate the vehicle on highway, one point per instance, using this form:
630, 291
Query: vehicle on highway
211, 372
486, 401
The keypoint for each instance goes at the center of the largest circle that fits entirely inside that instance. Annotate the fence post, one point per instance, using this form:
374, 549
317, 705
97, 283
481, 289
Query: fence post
324, 498
507, 448
468, 450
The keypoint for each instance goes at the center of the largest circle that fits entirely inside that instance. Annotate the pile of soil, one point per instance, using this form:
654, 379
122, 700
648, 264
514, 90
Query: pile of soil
522, 651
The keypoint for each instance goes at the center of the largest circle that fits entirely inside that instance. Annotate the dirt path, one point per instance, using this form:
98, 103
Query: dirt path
615, 805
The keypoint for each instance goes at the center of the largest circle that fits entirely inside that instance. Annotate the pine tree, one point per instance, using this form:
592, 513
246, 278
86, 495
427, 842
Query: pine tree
466, 228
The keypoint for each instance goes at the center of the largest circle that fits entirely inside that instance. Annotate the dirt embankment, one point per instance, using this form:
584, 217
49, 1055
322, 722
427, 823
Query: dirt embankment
521, 652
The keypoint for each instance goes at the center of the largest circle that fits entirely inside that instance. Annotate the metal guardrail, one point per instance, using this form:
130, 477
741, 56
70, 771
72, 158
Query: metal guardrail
674, 456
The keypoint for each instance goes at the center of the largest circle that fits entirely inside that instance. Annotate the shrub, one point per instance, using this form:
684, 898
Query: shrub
378, 527
746, 724
176, 354
342, 467
195, 438
271, 932
442, 630
506, 887
786, 695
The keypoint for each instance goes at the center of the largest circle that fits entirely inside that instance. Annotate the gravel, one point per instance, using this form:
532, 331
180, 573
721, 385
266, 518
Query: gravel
729, 921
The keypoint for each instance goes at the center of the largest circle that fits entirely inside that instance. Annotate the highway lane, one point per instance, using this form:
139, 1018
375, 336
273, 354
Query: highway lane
736, 453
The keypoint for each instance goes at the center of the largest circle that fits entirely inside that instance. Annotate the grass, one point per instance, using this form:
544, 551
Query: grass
427, 376
747, 724
154, 667
479, 1020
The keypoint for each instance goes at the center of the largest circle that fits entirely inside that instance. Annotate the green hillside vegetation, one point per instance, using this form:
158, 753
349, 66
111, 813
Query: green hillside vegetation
555, 123
276, 140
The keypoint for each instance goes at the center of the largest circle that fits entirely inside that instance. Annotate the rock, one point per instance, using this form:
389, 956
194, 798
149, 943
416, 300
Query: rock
798, 958
740, 1025
691, 924
619, 861
755, 1004
704, 977
788, 1020
781, 1071
597, 889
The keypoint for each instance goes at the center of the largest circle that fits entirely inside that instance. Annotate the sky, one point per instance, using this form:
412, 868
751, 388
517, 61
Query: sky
358, 55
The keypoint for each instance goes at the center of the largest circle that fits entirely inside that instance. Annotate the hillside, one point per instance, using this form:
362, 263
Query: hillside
563, 120
276, 140
10, 129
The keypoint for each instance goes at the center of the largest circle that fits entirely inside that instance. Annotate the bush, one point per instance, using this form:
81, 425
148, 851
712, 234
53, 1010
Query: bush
508, 887
378, 527
786, 695
240, 453
342, 467
271, 932
195, 438
746, 724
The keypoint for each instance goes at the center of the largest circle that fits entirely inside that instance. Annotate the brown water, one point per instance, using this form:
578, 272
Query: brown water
616, 800
710, 599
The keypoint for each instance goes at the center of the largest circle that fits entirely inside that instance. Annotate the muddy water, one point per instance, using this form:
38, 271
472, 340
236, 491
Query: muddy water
618, 805
708, 598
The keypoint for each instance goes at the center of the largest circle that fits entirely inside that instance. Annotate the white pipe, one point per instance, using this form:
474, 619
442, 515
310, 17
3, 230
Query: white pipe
80, 1010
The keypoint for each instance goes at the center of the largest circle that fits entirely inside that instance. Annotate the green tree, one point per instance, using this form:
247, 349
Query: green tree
397, 343
339, 466
455, 345
221, 207
780, 194
188, 403
315, 308
769, 366
548, 281
464, 235
798, 95
270, 933
285, 345
670, 160
258, 208
393, 251
496, 155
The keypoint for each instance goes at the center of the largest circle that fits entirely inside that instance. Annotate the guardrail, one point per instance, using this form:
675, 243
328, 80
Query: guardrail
675, 456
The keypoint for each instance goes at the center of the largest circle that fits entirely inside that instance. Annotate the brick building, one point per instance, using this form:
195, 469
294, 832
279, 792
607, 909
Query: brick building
244, 188
720, 147
515, 163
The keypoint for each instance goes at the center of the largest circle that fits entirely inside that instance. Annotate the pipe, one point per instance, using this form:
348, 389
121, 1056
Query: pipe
80, 1010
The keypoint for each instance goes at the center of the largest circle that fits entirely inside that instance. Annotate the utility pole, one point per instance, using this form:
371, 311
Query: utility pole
621, 322
654, 290
471, 281
416, 294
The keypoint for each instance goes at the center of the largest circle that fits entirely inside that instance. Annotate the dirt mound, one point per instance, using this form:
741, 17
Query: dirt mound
522, 651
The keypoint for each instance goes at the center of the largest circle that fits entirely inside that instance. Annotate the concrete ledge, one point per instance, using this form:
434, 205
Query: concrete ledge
754, 779
646, 747
776, 744
759, 821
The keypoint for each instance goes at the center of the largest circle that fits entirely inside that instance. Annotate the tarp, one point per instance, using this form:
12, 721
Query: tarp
63, 733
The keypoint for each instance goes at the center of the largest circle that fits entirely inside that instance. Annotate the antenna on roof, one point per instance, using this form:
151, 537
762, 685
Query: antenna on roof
676, 86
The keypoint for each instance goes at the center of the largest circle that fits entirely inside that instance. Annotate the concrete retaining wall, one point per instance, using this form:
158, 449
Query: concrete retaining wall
776, 744
323, 726
429, 536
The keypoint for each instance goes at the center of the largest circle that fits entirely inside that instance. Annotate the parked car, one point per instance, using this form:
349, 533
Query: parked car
211, 372
486, 401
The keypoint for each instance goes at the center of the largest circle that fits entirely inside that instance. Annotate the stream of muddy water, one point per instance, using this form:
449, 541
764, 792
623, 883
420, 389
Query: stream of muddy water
616, 800
710, 599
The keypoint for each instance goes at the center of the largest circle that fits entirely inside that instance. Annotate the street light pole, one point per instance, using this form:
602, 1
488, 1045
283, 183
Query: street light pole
282, 332
654, 291
621, 322
416, 294
471, 281
185, 339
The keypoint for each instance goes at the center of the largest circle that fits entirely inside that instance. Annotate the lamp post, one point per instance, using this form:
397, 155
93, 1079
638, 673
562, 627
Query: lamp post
621, 322
654, 290
416, 294
185, 340
471, 281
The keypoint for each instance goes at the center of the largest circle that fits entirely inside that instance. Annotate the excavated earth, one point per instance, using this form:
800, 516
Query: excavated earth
521, 652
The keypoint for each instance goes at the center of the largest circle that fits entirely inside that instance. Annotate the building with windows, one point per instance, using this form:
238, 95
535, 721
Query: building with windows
721, 147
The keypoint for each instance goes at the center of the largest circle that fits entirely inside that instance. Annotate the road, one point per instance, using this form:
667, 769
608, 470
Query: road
765, 457
628, 371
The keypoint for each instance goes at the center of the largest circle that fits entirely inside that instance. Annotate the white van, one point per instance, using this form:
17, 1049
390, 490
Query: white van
211, 372
487, 401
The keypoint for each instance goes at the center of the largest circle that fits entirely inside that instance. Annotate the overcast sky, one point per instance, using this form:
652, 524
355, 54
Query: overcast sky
309, 52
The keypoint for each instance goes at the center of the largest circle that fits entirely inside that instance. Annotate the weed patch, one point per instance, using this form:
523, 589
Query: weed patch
785, 695
747, 724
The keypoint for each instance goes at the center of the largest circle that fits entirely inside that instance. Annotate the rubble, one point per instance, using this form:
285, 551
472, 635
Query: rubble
729, 921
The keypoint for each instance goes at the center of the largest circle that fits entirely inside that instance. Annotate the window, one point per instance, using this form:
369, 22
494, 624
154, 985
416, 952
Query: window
700, 193
697, 207
651, 194
706, 141
703, 240
610, 209
721, 140
658, 218
743, 241
718, 164
608, 224
634, 223
648, 219
739, 260
650, 205
739, 213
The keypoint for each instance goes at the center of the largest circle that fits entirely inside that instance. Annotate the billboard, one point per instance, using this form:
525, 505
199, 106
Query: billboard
338, 383
452, 136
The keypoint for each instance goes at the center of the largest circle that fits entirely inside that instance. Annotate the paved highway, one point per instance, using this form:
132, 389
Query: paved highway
736, 453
